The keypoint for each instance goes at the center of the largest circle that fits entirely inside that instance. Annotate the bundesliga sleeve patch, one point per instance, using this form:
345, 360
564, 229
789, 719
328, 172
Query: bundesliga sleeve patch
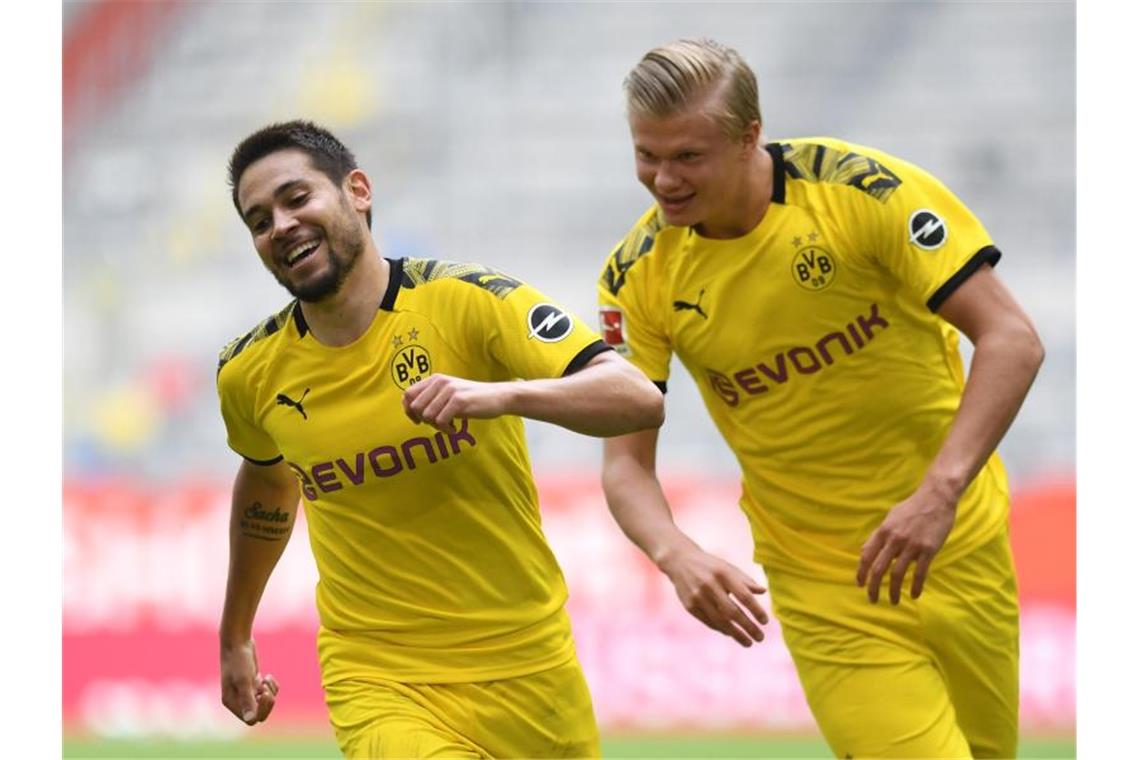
610, 321
548, 323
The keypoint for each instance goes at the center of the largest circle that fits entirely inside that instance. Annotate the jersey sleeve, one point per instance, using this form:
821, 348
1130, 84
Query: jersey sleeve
531, 335
927, 238
629, 309
237, 403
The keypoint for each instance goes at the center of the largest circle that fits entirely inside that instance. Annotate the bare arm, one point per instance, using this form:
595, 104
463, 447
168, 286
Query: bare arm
261, 520
715, 592
608, 396
1007, 355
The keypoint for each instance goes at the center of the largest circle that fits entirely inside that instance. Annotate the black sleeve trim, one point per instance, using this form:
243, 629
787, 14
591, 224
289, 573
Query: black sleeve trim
584, 356
776, 151
395, 277
263, 462
660, 385
988, 255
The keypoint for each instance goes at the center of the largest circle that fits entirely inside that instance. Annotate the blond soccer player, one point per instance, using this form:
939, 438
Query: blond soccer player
386, 397
815, 290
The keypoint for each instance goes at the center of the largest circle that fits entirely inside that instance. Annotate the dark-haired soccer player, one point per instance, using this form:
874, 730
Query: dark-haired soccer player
443, 628
815, 289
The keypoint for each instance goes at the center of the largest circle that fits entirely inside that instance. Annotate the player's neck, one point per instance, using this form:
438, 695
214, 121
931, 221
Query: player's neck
344, 317
749, 205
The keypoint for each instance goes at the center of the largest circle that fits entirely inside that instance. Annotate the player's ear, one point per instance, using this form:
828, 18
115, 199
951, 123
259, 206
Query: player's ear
750, 140
359, 189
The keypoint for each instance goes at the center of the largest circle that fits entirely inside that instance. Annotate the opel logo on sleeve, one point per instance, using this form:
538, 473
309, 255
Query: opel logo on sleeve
548, 323
927, 230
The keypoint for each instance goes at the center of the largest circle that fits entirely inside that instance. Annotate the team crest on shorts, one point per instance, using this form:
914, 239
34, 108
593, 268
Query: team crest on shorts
411, 364
813, 268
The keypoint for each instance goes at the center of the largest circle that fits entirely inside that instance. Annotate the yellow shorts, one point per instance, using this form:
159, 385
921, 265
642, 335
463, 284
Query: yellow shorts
933, 677
545, 714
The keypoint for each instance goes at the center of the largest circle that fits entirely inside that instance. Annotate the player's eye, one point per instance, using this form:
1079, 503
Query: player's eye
688, 156
298, 200
259, 225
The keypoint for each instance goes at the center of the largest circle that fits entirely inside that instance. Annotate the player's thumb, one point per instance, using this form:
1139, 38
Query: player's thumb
247, 702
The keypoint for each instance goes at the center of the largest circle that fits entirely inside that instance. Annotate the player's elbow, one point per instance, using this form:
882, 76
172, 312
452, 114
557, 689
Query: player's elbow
637, 403
1031, 349
656, 411
1037, 351
647, 407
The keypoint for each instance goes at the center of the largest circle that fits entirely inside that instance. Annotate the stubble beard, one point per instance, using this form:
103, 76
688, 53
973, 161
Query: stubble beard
351, 242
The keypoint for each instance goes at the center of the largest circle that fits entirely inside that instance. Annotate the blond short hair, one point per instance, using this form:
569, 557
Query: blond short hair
672, 77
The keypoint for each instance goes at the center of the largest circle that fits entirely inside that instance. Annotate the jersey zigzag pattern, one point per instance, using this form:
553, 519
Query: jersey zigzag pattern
421, 271
820, 163
263, 330
638, 243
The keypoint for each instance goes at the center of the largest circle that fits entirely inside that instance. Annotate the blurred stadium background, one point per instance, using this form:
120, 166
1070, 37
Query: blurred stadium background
494, 132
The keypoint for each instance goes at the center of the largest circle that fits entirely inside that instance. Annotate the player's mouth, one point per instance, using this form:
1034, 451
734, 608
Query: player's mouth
300, 252
675, 204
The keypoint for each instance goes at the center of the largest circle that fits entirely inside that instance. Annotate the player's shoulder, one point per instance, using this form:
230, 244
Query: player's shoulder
456, 279
828, 166
260, 340
650, 236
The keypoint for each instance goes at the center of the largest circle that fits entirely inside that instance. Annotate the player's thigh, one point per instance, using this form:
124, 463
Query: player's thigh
382, 719
971, 616
900, 710
873, 690
407, 738
545, 714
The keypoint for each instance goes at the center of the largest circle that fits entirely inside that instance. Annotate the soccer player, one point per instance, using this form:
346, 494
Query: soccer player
815, 289
389, 394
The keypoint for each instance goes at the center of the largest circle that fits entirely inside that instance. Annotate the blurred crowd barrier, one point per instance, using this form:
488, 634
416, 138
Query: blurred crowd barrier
145, 574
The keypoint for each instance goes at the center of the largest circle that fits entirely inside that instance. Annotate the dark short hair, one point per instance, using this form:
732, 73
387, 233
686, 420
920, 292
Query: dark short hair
328, 154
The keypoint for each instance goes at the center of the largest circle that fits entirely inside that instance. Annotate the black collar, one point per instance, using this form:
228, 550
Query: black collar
299, 318
776, 151
395, 279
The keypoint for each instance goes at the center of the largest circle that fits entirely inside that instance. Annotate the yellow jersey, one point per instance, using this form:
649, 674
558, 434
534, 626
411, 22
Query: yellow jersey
816, 346
431, 559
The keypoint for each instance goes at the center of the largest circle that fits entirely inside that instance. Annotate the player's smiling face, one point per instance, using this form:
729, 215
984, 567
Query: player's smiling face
694, 171
306, 229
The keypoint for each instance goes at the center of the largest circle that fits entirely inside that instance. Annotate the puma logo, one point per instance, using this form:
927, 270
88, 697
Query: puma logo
683, 305
283, 400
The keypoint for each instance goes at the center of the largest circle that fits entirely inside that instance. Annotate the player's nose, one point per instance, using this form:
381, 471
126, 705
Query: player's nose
283, 223
666, 180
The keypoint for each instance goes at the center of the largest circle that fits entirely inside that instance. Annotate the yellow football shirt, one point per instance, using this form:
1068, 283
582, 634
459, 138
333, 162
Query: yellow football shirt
431, 558
816, 347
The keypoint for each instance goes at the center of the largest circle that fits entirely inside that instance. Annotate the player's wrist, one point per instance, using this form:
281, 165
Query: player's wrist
234, 635
945, 489
513, 399
539, 399
668, 553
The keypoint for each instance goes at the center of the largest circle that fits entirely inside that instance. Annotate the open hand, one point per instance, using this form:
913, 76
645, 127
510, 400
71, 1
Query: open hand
718, 593
913, 531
